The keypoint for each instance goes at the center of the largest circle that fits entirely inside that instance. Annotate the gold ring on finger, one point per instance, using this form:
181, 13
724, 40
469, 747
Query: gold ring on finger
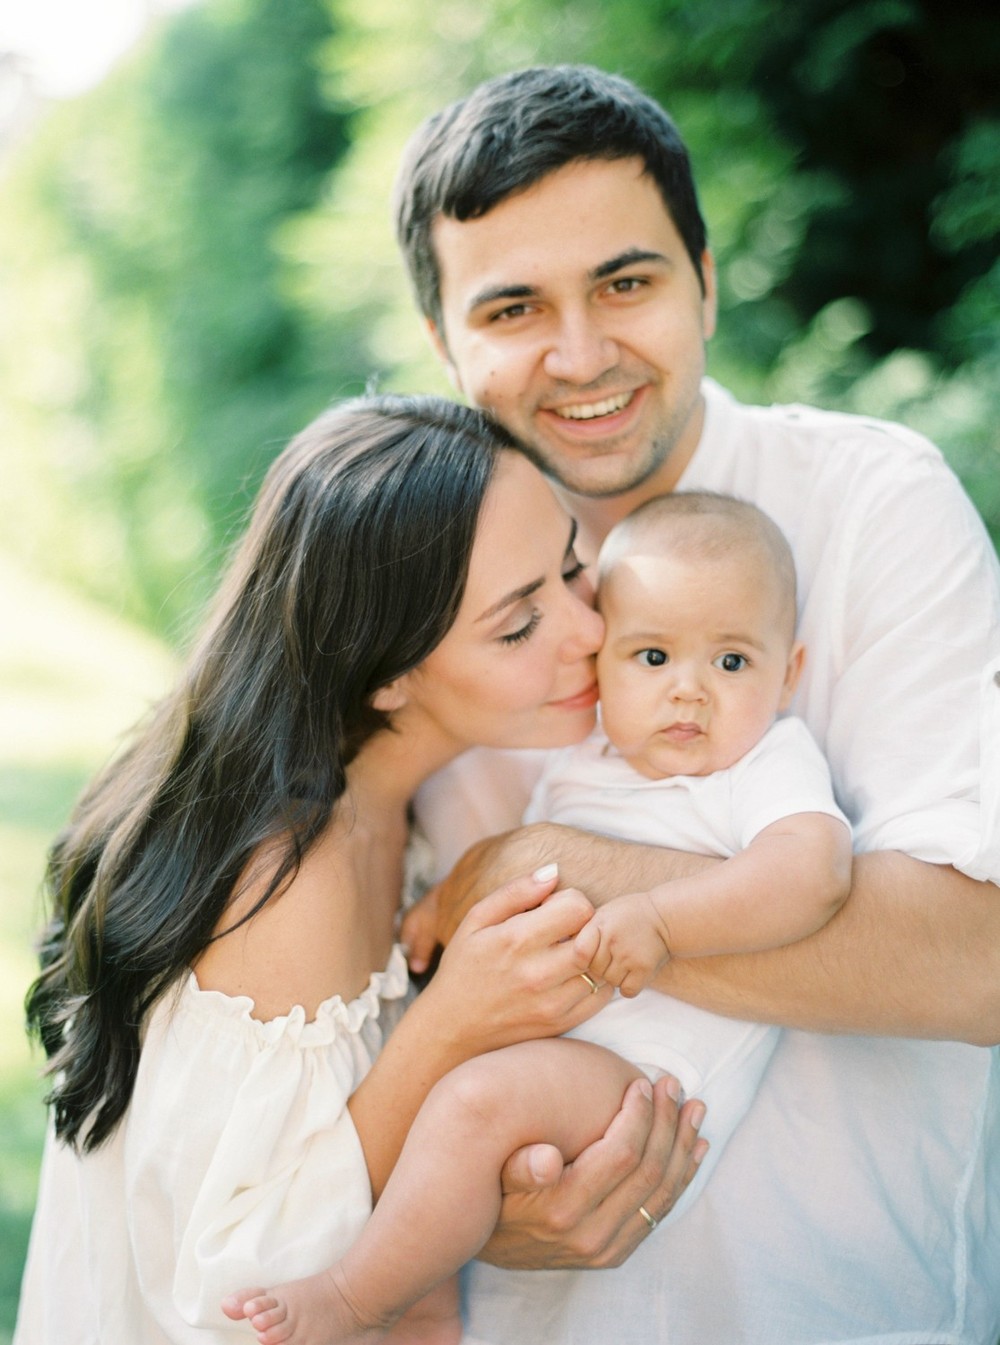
648, 1217
594, 987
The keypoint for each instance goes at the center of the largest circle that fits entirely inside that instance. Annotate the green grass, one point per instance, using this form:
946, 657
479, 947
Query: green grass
72, 679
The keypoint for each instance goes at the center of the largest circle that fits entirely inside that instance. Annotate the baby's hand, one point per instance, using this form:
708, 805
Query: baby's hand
623, 943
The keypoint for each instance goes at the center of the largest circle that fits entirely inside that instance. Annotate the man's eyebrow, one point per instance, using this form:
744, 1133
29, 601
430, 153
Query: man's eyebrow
492, 293
631, 257
526, 590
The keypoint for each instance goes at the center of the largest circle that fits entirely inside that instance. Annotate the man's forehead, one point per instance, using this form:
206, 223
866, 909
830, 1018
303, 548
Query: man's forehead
587, 219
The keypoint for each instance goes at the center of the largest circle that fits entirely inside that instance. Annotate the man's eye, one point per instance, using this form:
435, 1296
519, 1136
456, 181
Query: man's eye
511, 311
651, 658
626, 284
730, 662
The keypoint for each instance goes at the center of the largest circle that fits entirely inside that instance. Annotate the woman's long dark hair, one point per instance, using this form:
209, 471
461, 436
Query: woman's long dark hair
349, 575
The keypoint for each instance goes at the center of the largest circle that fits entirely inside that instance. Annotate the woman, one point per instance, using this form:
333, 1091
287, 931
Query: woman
220, 973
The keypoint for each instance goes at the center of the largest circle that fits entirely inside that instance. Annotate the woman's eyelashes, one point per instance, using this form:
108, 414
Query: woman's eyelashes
524, 632
569, 576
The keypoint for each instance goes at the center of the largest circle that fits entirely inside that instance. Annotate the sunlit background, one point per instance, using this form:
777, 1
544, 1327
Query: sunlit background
195, 258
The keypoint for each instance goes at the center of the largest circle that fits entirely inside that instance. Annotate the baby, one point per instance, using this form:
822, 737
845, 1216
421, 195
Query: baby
698, 596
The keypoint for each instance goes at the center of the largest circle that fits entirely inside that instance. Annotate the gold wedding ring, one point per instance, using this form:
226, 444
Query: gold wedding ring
648, 1217
594, 987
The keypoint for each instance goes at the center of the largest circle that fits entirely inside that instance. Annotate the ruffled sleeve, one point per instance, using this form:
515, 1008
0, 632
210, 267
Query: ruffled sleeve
242, 1163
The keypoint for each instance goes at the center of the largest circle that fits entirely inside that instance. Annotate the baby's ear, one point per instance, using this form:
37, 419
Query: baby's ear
796, 662
391, 697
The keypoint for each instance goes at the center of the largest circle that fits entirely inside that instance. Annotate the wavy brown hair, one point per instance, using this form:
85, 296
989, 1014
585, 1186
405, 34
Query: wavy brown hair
350, 573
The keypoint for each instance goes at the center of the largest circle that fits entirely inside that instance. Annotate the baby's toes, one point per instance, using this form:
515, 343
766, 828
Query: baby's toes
234, 1305
267, 1312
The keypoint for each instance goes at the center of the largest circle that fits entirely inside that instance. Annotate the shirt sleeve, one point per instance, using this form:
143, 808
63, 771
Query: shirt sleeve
912, 735
786, 774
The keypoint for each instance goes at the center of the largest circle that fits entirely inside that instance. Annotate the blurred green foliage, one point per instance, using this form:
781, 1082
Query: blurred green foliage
197, 256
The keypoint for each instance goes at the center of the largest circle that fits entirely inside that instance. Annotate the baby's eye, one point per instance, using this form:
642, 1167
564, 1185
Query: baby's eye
730, 662
652, 658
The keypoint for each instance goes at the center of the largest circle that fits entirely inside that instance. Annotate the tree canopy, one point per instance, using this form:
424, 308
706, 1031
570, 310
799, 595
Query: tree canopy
197, 256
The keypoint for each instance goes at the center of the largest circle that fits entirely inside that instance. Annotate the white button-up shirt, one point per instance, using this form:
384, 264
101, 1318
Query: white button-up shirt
856, 1202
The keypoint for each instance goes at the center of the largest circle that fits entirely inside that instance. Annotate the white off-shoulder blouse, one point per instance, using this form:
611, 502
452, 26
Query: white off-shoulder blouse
237, 1163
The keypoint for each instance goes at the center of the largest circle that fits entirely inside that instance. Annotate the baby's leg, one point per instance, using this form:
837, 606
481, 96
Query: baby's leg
442, 1201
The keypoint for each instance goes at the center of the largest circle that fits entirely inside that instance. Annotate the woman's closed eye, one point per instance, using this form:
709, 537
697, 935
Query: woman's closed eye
523, 632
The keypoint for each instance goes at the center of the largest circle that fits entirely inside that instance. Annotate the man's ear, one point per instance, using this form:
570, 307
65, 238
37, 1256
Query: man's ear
710, 302
796, 662
391, 697
440, 349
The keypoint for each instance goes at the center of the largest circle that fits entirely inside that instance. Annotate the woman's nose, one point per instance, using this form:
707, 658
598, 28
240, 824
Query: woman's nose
585, 633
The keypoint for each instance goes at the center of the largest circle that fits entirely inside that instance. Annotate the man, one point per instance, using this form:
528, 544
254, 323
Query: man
552, 232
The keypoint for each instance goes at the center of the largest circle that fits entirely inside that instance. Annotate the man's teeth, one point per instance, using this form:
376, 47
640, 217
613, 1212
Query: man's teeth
591, 410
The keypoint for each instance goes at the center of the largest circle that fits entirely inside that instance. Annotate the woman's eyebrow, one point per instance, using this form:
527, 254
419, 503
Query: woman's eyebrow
526, 590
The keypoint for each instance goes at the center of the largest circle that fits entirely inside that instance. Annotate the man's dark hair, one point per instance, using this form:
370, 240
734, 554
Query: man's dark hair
511, 132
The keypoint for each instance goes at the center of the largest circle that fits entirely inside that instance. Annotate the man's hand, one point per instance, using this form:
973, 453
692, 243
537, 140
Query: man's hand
418, 932
586, 1214
485, 867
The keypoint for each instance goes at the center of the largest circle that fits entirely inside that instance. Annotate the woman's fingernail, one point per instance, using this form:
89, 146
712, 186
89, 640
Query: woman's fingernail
674, 1088
700, 1150
646, 1089
697, 1115
546, 873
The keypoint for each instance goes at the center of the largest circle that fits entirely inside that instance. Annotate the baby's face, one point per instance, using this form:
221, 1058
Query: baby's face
696, 661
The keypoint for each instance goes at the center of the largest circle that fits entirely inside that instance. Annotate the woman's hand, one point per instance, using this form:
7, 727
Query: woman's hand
511, 971
586, 1214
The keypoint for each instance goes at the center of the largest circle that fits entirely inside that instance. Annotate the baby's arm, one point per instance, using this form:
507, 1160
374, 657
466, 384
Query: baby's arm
788, 882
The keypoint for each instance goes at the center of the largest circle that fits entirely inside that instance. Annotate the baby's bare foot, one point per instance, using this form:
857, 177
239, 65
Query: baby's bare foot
317, 1310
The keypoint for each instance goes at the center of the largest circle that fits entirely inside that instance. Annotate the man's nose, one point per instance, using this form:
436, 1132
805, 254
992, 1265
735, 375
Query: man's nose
580, 351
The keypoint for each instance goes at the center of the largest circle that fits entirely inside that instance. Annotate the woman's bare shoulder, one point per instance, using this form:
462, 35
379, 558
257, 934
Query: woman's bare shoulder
298, 948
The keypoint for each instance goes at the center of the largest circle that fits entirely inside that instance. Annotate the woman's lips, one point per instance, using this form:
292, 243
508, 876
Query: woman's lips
583, 700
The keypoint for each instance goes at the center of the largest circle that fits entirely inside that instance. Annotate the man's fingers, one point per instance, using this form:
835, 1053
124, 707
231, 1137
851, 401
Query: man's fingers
532, 1168
418, 932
